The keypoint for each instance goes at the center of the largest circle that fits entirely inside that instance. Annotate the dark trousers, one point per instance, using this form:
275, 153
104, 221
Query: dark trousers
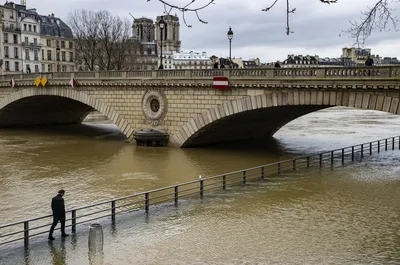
57, 219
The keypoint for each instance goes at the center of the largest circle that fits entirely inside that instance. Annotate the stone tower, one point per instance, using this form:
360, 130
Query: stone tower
143, 30
171, 35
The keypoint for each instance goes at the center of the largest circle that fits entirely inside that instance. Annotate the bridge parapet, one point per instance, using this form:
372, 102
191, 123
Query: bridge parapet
240, 75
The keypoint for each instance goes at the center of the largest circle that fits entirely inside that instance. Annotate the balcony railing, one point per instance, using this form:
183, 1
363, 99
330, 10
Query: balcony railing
14, 29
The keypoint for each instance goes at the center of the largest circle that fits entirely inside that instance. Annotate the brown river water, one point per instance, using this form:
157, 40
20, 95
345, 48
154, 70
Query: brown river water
348, 215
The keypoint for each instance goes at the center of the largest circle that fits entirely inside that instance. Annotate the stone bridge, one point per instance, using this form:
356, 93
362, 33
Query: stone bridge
184, 104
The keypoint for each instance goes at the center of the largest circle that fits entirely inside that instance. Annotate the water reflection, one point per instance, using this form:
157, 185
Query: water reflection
57, 252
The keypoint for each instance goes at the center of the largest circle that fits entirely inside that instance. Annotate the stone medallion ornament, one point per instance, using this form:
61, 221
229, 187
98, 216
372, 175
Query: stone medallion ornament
154, 104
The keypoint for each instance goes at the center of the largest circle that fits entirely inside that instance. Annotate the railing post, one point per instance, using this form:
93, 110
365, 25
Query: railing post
308, 161
26, 233
379, 146
294, 164
73, 221
146, 202
342, 156
279, 168
320, 160
113, 211
331, 158
386, 142
393, 143
262, 172
352, 153
201, 187
399, 142
176, 195
362, 150
370, 148
224, 182
244, 177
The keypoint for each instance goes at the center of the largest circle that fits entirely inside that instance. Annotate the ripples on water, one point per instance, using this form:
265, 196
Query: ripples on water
349, 215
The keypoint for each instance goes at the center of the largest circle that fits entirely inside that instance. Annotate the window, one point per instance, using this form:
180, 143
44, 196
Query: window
27, 54
12, 26
25, 27
6, 52
57, 56
36, 68
71, 45
7, 63
15, 52
30, 28
6, 37
35, 41
12, 15
49, 55
26, 40
28, 68
49, 68
62, 44
34, 30
64, 68
58, 68
42, 55
35, 55
63, 57
57, 43
43, 68
48, 43
16, 66
15, 37
71, 56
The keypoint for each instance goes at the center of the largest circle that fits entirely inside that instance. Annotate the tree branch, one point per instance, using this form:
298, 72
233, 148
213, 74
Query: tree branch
377, 17
185, 9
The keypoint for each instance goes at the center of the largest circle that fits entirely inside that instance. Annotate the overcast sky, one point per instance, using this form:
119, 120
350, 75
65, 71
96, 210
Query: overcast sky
318, 28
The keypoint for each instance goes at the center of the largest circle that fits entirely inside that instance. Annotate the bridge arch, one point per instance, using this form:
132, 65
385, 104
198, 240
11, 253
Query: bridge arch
69, 106
255, 117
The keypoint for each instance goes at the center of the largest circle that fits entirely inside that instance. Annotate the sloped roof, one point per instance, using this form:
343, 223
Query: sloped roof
55, 27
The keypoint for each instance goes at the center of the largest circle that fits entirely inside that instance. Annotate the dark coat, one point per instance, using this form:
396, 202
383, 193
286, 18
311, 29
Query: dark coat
58, 206
369, 62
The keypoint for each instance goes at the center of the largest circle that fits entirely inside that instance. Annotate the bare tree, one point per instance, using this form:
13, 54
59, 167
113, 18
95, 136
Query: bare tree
85, 26
381, 16
101, 39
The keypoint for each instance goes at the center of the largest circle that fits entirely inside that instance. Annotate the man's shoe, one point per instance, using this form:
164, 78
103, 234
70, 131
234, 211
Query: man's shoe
51, 238
64, 235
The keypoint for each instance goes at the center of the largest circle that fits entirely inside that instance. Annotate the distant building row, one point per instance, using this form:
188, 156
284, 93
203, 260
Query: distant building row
350, 57
30, 42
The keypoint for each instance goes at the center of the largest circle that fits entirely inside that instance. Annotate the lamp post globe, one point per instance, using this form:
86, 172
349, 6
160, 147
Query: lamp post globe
230, 37
161, 24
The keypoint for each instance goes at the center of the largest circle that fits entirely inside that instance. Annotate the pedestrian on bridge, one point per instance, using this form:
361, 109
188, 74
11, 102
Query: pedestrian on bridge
58, 208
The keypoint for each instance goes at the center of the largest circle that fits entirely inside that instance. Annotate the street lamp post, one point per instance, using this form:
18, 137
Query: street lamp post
161, 23
58, 58
230, 37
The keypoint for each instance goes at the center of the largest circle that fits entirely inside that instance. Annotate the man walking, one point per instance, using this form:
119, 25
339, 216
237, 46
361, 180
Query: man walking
58, 207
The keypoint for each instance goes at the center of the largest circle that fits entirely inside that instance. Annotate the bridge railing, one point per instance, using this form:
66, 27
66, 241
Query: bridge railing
206, 74
171, 195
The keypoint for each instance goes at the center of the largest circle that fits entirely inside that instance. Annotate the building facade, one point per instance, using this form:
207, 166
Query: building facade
58, 47
186, 60
30, 40
32, 43
10, 39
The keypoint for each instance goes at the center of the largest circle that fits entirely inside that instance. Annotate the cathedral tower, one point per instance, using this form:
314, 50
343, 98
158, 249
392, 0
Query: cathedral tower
170, 34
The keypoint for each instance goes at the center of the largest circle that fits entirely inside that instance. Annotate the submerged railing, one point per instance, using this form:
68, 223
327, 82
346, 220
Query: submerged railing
143, 201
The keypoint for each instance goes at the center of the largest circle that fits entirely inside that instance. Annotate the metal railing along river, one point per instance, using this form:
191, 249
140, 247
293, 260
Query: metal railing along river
26, 229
